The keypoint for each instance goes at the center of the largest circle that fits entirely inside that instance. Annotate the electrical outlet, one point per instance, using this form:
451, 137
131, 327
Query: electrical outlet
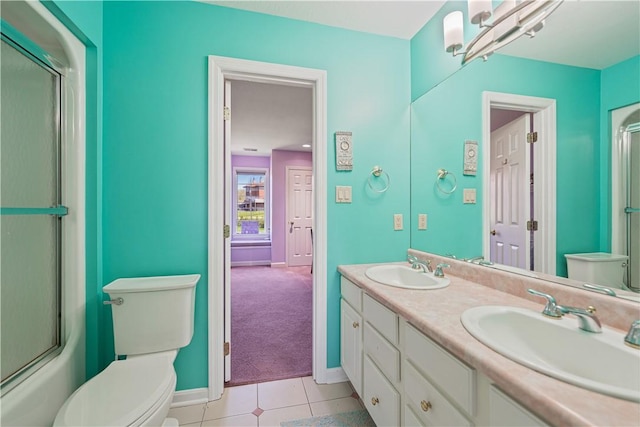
397, 222
422, 221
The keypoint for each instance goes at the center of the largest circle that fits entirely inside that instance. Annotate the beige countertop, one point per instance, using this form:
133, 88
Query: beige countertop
437, 314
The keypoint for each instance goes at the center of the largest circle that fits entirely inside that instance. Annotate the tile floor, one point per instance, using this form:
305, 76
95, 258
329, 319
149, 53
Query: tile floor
268, 404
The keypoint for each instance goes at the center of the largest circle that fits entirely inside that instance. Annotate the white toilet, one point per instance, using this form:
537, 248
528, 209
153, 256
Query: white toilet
152, 319
598, 268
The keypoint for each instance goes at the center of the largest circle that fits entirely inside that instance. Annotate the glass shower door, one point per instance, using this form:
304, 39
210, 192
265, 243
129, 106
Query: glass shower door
632, 142
30, 220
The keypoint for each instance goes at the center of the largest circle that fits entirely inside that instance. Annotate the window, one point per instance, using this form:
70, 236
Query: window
251, 213
31, 214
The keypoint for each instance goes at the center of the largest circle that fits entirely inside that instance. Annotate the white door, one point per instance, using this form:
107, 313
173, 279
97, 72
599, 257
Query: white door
299, 216
510, 197
228, 182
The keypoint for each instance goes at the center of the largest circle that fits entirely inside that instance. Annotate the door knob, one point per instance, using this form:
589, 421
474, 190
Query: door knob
492, 232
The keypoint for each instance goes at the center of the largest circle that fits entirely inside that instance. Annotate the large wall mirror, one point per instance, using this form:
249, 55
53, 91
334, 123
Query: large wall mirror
569, 84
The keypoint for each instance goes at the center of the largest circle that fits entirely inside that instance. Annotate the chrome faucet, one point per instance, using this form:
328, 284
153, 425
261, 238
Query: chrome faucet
587, 320
417, 264
550, 309
439, 272
633, 336
475, 259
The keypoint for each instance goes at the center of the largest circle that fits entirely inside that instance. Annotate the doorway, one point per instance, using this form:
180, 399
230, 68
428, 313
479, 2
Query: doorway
542, 112
220, 70
268, 130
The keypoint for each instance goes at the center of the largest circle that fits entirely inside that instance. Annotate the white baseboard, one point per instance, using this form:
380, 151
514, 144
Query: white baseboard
190, 397
332, 376
249, 263
278, 264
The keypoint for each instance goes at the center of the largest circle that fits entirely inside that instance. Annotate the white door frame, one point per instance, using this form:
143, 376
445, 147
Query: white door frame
544, 170
287, 206
221, 68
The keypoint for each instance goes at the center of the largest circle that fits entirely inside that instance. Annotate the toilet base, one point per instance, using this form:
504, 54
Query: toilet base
170, 422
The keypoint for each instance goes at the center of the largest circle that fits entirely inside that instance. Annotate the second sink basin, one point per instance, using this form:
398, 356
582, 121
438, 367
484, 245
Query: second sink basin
402, 276
599, 362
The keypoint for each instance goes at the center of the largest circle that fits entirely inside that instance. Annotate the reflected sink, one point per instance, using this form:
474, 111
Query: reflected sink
402, 276
599, 362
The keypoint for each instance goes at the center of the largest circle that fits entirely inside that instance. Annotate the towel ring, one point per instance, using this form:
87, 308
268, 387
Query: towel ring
442, 174
377, 172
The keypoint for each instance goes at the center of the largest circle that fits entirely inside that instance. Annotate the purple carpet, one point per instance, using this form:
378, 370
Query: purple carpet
271, 324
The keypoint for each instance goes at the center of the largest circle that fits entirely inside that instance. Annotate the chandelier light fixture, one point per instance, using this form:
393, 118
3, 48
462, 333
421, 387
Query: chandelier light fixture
510, 21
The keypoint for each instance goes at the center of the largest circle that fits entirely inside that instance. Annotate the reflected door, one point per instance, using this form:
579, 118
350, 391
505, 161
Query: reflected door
509, 194
633, 206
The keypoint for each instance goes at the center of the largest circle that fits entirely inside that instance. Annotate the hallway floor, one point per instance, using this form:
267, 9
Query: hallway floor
270, 403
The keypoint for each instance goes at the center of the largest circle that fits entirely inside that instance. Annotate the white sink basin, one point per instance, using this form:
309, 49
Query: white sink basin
402, 276
599, 362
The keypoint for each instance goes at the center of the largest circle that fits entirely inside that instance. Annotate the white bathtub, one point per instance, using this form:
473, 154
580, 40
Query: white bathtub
36, 401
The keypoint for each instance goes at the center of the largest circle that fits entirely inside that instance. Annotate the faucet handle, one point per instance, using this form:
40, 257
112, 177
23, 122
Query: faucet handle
633, 336
439, 267
551, 308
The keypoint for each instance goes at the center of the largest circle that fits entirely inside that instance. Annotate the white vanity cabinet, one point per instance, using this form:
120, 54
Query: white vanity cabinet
406, 379
351, 326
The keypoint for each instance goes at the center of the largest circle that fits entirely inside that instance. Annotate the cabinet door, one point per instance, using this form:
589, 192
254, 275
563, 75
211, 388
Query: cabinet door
503, 411
351, 345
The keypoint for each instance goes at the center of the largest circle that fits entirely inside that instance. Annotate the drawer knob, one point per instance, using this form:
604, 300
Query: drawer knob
425, 405
356, 324
375, 401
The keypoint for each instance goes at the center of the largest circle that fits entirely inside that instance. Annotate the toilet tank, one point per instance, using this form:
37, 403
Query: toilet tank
597, 268
156, 313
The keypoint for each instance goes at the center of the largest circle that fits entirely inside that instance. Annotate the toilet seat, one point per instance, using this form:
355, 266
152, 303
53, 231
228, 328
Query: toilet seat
126, 393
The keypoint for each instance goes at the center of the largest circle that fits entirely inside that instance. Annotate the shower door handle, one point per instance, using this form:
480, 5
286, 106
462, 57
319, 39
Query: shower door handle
631, 210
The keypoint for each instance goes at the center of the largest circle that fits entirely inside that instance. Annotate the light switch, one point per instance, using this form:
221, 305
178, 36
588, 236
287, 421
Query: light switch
422, 221
343, 194
469, 195
397, 222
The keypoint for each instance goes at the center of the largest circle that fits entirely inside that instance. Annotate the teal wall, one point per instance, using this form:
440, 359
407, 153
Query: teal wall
620, 86
450, 113
84, 20
155, 142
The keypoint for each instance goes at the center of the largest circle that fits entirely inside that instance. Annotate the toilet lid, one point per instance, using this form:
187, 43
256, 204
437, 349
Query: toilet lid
120, 394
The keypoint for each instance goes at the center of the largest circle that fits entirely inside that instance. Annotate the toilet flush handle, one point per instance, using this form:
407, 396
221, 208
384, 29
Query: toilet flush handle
115, 301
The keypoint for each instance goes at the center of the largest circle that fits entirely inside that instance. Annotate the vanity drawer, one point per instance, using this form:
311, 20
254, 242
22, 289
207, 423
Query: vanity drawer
351, 293
380, 398
383, 319
430, 406
443, 369
385, 355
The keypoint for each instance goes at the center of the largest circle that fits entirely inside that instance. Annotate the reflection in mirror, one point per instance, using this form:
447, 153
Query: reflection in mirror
574, 164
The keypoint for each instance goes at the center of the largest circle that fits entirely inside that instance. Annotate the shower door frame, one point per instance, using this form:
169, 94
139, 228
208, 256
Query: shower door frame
618, 184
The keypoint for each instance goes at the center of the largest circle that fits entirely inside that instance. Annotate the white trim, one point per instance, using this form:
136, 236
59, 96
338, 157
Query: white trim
278, 264
194, 396
249, 263
544, 110
221, 68
335, 375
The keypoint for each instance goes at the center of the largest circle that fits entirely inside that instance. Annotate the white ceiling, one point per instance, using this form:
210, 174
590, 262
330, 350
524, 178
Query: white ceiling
268, 116
585, 33
401, 19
